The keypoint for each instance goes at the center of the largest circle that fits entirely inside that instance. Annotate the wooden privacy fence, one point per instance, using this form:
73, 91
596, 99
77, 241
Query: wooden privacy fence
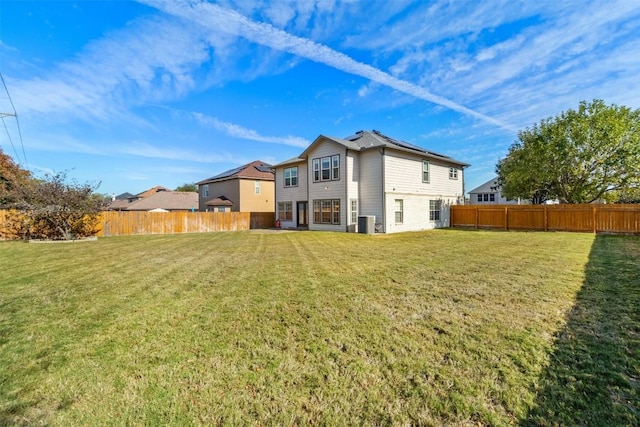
584, 218
125, 223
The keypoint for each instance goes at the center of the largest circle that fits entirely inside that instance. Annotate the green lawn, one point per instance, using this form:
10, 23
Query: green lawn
445, 327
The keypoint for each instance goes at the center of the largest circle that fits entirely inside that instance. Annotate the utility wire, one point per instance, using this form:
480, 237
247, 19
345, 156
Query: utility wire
14, 114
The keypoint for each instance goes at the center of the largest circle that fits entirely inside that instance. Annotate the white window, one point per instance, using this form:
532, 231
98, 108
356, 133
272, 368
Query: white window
453, 173
326, 211
291, 177
222, 209
316, 169
285, 211
326, 168
425, 171
205, 190
399, 211
354, 211
335, 168
434, 210
257, 187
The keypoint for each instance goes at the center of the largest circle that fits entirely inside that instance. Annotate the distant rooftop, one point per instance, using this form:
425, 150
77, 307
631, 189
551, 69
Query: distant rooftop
254, 170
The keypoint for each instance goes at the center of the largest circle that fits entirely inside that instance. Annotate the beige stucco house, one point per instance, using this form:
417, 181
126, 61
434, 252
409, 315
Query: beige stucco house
336, 180
248, 188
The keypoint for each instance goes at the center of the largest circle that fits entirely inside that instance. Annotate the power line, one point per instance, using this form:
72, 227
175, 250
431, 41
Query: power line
15, 115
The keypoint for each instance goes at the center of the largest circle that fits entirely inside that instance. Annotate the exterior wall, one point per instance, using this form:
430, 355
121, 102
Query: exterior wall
370, 186
291, 194
403, 173
403, 181
228, 188
252, 202
416, 212
325, 190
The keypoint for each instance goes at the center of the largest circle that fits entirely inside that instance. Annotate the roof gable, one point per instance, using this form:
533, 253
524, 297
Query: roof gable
490, 186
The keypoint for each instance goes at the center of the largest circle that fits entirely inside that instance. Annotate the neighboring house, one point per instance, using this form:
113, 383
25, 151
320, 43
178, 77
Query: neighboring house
248, 188
167, 201
124, 200
489, 194
335, 180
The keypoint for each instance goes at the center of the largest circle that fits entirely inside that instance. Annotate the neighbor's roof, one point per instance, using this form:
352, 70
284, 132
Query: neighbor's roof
125, 196
169, 200
254, 170
220, 201
490, 186
364, 140
151, 191
118, 204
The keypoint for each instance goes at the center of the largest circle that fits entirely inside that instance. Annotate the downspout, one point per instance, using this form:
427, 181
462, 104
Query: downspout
463, 192
384, 195
347, 204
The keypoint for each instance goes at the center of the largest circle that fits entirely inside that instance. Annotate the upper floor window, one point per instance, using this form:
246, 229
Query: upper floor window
326, 168
453, 173
205, 190
291, 177
425, 171
257, 187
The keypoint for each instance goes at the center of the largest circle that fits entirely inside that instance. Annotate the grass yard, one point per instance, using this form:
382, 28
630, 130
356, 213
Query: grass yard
444, 327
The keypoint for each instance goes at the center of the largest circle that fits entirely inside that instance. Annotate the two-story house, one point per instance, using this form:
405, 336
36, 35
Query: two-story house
248, 188
336, 180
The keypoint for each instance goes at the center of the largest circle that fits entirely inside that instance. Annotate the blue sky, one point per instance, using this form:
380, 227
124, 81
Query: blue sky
138, 94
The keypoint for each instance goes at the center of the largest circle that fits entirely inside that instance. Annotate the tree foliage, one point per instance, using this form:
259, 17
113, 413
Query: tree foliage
188, 187
14, 181
579, 156
52, 208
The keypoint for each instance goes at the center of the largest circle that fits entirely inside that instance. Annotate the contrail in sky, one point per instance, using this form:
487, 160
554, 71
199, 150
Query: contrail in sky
210, 15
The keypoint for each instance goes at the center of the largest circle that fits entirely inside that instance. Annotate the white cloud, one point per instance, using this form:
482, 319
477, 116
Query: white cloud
211, 16
238, 131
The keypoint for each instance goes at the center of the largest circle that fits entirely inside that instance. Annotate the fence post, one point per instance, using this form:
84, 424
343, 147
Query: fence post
506, 218
594, 220
477, 209
546, 219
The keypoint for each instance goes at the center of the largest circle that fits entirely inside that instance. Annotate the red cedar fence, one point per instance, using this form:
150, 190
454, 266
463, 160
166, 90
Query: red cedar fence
583, 218
123, 223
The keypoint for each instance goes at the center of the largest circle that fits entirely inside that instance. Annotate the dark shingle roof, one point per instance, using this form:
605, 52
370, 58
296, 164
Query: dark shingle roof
254, 170
220, 201
365, 140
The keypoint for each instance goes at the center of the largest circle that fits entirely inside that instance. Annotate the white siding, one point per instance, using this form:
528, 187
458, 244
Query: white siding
371, 194
403, 181
403, 173
328, 190
291, 194
416, 212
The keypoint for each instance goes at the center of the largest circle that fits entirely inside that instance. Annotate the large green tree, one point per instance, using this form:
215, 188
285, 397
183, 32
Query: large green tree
579, 156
